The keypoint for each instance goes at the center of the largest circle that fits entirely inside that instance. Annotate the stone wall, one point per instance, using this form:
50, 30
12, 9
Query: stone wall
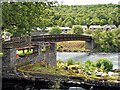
10, 60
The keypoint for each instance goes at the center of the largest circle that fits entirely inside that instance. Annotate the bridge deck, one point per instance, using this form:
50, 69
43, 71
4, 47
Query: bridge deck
61, 37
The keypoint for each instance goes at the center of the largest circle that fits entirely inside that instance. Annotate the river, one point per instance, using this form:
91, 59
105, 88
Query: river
82, 56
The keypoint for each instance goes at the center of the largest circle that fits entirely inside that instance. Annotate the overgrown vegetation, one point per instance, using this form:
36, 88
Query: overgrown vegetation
104, 64
55, 30
106, 41
76, 29
85, 70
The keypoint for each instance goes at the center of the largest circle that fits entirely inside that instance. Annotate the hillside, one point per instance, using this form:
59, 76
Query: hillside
86, 15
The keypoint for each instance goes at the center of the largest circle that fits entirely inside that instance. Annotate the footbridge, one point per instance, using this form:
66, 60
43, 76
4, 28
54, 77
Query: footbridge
65, 37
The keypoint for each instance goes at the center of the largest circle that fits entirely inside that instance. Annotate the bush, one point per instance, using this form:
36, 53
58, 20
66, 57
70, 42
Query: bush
55, 30
70, 62
104, 64
89, 66
77, 29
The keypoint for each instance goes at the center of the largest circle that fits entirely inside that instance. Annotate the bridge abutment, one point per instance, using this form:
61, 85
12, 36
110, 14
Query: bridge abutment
89, 45
50, 55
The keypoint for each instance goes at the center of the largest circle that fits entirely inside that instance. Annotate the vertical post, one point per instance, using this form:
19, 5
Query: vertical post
89, 45
40, 54
52, 54
13, 60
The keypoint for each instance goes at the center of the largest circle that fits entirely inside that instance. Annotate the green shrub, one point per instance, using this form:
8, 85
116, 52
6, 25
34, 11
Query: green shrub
89, 66
70, 62
55, 30
104, 64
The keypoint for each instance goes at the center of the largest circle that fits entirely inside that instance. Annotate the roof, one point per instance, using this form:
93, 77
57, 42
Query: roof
95, 26
109, 26
65, 28
84, 26
48, 28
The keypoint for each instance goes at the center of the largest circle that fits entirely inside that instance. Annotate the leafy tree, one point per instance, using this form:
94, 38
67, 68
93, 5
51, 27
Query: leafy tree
104, 64
55, 30
20, 17
77, 29
88, 31
88, 14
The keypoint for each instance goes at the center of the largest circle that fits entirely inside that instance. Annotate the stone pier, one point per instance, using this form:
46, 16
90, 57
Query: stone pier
50, 54
89, 45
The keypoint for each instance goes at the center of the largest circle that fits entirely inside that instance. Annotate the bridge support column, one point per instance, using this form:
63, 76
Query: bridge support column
50, 55
89, 45
9, 60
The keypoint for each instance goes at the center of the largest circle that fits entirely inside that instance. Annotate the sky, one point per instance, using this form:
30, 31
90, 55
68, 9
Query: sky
87, 2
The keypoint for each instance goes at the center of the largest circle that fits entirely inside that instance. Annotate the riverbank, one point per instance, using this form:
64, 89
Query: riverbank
69, 69
72, 46
49, 82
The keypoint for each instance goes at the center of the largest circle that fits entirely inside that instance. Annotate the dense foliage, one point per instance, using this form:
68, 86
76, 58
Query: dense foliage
86, 15
19, 18
55, 30
106, 41
76, 29
104, 64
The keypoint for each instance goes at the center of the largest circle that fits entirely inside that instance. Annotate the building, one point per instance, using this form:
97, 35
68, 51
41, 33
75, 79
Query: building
109, 27
95, 27
64, 29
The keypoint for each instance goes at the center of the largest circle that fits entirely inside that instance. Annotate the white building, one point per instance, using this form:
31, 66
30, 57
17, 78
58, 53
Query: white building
95, 27
109, 27
64, 29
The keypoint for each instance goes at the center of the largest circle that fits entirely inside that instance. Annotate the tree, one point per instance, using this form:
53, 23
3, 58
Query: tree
20, 17
104, 64
88, 31
77, 29
55, 30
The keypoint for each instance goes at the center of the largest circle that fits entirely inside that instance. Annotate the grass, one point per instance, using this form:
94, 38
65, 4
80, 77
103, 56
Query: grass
39, 69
